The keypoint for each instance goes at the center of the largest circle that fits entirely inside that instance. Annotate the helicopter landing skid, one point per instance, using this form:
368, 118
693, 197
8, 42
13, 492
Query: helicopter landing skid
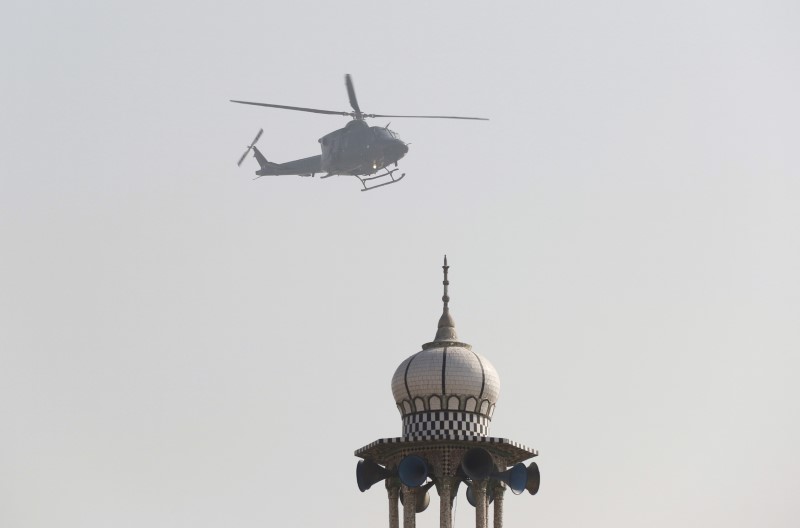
389, 173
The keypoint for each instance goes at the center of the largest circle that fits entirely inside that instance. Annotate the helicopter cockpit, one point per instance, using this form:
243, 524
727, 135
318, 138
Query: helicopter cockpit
385, 133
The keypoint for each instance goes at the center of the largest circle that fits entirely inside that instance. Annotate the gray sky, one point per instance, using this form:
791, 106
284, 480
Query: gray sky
183, 346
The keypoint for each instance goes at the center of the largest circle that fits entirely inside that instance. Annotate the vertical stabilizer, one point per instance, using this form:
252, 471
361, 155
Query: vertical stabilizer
260, 158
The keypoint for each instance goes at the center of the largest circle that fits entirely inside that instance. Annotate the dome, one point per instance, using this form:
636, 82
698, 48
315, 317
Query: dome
446, 376
446, 389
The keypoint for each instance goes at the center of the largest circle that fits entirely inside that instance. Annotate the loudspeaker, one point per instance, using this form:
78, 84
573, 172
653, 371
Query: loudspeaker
477, 463
413, 471
471, 496
533, 478
368, 473
516, 478
423, 499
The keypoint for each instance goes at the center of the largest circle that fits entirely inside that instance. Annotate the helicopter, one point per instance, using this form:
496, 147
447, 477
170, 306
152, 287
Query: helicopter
358, 149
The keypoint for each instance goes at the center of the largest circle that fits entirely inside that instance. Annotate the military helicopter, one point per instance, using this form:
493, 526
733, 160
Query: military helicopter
356, 150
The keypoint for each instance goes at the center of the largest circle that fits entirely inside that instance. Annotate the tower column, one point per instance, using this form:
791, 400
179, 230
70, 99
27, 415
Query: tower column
393, 490
481, 504
409, 507
498, 506
446, 503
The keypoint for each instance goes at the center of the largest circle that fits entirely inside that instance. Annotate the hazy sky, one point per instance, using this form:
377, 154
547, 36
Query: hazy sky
183, 346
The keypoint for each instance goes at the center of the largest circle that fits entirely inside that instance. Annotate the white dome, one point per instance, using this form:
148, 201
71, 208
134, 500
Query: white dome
446, 376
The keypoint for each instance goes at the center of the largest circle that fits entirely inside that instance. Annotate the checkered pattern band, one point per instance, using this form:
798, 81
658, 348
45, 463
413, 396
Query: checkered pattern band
434, 425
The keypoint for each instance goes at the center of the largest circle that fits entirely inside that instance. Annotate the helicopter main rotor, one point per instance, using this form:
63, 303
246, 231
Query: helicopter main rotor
356, 113
351, 94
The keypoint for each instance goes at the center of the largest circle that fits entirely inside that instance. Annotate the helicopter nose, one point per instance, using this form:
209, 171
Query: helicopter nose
397, 149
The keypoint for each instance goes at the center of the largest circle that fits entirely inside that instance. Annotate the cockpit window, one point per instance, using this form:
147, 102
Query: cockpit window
385, 133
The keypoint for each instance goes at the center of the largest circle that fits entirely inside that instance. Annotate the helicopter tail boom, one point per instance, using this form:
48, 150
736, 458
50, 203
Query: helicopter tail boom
301, 167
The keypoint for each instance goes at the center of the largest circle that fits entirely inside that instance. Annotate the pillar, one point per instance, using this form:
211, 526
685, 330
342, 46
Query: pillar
445, 502
393, 489
409, 507
481, 504
498, 506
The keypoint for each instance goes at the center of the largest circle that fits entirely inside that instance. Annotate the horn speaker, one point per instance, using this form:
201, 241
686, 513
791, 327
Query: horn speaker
368, 473
471, 496
413, 471
533, 478
516, 478
423, 499
477, 463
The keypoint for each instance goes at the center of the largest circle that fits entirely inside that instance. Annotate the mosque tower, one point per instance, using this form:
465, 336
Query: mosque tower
446, 394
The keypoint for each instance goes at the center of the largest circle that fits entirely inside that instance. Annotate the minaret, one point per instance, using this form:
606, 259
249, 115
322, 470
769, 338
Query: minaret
446, 394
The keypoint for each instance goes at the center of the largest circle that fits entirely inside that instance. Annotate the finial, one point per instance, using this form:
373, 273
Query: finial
445, 298
447, 327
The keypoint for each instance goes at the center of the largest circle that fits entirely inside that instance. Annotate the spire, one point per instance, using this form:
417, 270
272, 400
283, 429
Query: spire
447, 327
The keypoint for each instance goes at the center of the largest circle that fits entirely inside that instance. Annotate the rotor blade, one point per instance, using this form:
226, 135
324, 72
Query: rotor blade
246, 152
298, 108
428, 117
351, 93
258, 135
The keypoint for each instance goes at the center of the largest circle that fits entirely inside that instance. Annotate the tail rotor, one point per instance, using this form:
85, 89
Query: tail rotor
246, 152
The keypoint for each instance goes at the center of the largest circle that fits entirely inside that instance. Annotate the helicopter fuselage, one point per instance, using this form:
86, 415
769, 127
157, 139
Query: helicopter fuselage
360, 149
356, 150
